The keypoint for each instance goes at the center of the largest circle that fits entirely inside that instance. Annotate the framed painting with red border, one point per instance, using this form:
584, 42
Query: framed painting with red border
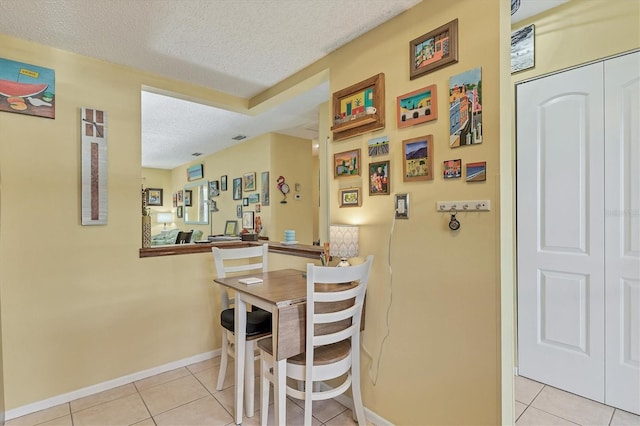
433, 50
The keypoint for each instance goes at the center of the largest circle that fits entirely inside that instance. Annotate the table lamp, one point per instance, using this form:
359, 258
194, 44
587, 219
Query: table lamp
343, 242
165, 217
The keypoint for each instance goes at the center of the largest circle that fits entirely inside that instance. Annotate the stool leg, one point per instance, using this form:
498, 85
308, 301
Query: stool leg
249, 377
223, 360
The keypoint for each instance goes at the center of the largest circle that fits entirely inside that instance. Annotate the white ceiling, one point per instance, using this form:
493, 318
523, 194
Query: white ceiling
239, 47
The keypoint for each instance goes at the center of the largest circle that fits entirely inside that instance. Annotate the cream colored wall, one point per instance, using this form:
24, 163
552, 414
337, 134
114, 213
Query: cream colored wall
158, 178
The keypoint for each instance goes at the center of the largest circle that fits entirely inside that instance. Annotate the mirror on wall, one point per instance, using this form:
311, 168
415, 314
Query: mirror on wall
195, 206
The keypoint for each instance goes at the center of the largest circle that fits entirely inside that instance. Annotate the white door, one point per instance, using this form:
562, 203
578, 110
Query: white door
560, 216
622, 232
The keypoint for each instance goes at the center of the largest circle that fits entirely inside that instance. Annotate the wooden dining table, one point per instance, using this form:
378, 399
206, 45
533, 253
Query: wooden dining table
284, 294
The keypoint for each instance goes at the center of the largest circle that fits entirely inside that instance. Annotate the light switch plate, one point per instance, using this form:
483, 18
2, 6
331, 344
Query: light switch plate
402, 206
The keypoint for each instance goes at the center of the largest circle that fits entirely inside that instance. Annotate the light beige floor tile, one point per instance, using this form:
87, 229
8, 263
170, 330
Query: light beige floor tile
344, 419
324, 410
526, 389
172, 394
204, 365
534, 417
624, 418
204, 411
519, 409
226, 397
572, 407
102, 397
40, 416
60, 421
146, 422
295, 416
158, 379
209, 378
124, 411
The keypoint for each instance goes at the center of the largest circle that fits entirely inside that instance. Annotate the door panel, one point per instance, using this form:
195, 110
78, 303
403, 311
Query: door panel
622, 225
560, 212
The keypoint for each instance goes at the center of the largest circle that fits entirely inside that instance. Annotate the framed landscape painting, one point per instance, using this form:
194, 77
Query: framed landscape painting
417, 158
346, 163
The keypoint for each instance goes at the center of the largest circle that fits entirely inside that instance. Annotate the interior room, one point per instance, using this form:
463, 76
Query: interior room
100, 305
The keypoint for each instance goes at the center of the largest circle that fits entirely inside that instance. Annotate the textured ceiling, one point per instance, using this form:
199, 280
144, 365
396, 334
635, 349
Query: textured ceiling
239, 47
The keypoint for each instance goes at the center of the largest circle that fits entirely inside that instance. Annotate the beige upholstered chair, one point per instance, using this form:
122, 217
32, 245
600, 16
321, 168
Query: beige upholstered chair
332, 343
241, 260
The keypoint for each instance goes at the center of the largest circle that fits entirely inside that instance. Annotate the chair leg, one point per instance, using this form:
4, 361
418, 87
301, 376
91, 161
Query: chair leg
223, 360
355, 389
280, 391
308, 402
264, 388
249, 378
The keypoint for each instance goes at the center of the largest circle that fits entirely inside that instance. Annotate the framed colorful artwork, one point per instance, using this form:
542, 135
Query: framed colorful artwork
417, 107
237, 188
254, 198
249, 180
231, 227
417, 158
245, 201
379, 178
175, 199
350, 197
28, 89
465, 108
476, 172
247, 220
433, 50
378, 146
154, 196
359, 108
346, 163
239, 211
452, 169
195, 172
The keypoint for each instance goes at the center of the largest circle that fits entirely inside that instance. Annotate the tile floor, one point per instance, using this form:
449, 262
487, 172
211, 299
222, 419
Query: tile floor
538, 404
187, 396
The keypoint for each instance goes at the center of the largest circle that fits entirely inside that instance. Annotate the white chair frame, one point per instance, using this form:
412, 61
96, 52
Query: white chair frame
221, 256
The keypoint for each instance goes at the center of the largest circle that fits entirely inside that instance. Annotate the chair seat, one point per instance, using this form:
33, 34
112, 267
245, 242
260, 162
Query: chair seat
258, 321
322, 355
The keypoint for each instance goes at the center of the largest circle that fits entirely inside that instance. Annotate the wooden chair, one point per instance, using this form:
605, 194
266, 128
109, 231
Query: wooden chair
332, 343
244, 260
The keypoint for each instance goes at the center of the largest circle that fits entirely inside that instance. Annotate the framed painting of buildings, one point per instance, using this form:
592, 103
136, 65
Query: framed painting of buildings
359, 108
433, 50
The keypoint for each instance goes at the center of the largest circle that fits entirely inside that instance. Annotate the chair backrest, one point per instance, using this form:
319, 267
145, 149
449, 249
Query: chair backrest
334, 316
184, 237
254, 259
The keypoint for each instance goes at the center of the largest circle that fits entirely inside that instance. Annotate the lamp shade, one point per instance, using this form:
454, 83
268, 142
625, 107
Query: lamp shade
343, 240
165, 217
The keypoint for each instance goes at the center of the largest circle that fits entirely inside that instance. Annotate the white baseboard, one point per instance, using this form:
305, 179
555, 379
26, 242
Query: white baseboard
110, 384
348, 402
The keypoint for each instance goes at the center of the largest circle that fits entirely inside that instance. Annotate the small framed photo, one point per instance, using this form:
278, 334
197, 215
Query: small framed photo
214, 188
346, 163
175, 199
258, 208
523, 49
188, 196
477, 172
180, 197
254, 198
379, 178
433, 50
417, 156
237, 188
247, 220
417, 107
249, 181
154, 196
231, 227
452, 169
179, 212
223, 183
195, 172
239, 211
245, 201
350, 197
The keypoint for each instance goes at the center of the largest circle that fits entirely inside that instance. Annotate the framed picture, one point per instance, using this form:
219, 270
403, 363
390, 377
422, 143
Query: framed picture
254, 198
359, 108
237, 188
179, 212
195, 172
223, 183
175, 199
452, 169
346, 163
523, 49
214, 188
379, 178
378, 146
249, 181
180, 197
188, 196
417, 107
21, 81
257, 207
417, 159
239, 211
433, 50
154, 196
247, 220
465, 108
350, 197
245, 201
477, 172
264, 181
231, 227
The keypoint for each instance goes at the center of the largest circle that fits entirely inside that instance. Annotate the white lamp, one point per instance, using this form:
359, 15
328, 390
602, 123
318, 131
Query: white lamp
165, 217
343, 242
